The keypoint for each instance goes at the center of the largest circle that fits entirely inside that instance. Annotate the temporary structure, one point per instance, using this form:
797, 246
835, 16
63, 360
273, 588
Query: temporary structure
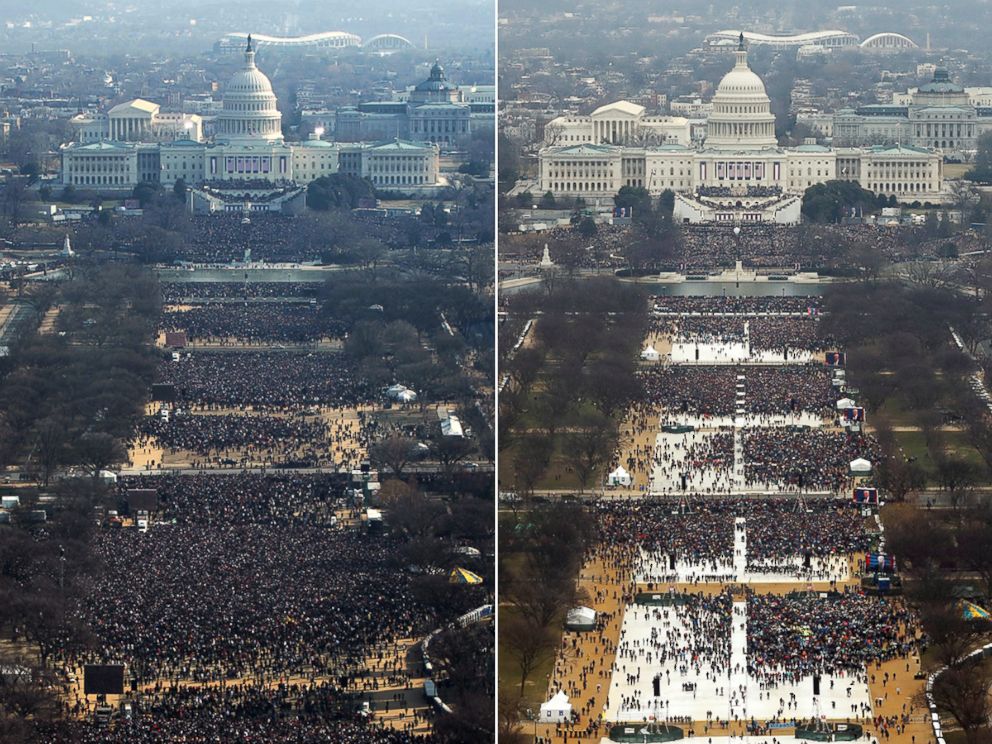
650, 354
844, 403
401, 393
452, 427
971, 611
619, 477
557, 709
580, 618
860, 466
464, 576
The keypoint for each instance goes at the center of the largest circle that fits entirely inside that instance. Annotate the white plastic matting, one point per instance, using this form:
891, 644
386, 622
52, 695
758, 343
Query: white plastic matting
726, 692
689, 351
767, 739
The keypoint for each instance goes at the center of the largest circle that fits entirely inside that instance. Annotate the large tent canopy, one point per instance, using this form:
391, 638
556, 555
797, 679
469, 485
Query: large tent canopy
619, 477
556, 709
464, 576
860, 465
580, 618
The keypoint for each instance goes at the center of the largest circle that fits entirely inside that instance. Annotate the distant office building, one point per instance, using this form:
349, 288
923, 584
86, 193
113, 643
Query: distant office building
940, 114
434, 111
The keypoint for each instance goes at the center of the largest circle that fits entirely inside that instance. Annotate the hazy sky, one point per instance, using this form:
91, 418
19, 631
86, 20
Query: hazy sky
153, 25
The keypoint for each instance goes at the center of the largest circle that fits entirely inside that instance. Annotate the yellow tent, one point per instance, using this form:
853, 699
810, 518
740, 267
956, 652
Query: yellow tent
971, 611
464, 576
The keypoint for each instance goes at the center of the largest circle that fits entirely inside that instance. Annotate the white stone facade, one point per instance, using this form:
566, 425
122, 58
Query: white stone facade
739, 168
126, 148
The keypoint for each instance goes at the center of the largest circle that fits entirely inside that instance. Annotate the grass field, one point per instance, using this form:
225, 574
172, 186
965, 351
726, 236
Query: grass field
957, 443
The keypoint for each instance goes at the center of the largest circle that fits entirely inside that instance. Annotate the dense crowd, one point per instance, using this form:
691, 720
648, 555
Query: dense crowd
220, 238
285, 713
712, 390
275, 438
800, 634
250, 581
254, 324
778, 533
808, 459
242, 498
175, 292
690, 304
775, 529
760, 333
265, 378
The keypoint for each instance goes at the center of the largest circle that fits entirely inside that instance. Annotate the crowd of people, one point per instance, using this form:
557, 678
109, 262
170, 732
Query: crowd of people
288, 438
174, 293
221, 238
260, 323
760, 333
266, 379
712, 390
285, 713
780, 535
800, 634
804, 458
246, 576
703, 305
776, 531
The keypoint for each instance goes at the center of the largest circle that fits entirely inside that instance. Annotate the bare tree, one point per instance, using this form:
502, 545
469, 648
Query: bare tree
963, 693
394, 452
529, 643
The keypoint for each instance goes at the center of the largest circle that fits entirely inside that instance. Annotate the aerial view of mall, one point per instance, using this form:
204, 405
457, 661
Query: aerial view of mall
745, 425
247, 411
495, 371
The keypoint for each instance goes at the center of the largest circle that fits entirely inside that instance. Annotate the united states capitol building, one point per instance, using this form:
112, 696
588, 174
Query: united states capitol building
136, 143
737, 174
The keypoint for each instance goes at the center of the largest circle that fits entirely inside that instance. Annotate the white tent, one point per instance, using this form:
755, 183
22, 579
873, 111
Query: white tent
557, 709
401, 393
845, 403
619, 477
452, 427
580, 618
650, 354
860, 465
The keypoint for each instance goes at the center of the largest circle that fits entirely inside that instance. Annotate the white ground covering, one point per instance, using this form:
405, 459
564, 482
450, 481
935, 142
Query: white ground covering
729, 694
804, 418
769, 739
685, 351
656, 567
671, 462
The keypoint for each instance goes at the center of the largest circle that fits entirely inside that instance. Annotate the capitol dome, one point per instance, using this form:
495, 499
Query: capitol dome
741, 117
250, 111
